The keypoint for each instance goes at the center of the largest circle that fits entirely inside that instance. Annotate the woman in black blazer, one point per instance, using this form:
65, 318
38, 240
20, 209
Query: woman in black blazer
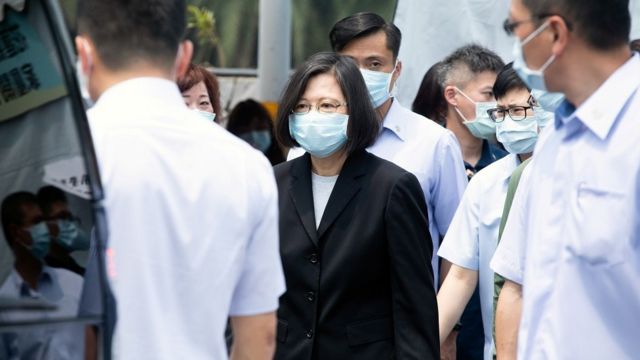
354, 235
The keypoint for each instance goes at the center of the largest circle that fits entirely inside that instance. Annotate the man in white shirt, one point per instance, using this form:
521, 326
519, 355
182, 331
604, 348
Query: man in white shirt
576, 218
29, 236
409, 140
192, 210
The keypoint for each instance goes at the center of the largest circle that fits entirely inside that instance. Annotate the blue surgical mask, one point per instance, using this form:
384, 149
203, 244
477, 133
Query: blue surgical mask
205, 114
548, 100
259, 139
533, 78
482, 126
543, 116
71, 237
319, 134
378, 84
518, 137
40, 240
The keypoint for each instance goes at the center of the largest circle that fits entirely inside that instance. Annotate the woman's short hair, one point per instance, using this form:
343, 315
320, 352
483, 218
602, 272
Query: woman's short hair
429, 101
364, 123
194, 75
508, 80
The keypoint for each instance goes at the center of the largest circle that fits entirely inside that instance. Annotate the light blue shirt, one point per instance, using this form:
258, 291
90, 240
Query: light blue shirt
579, 219
433, 155
473, 233
57, 342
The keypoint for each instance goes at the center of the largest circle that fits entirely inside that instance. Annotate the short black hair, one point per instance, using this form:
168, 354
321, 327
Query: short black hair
126, 31
468, 61
634, 45
429, 101
602, 24
11, 210
363, 125
508, 80
364, 24
245, 114
48, 195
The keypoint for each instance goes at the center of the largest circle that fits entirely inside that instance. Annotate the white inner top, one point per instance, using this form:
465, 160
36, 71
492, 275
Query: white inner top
321, 186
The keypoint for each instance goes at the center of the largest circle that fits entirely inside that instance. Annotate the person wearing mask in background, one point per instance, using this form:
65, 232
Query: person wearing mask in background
71, 237
251, 122
472, 237
29, 236
201, 92
187, 246
467, 81
355, 243
572, 235
407, 139
429, 101
634, 45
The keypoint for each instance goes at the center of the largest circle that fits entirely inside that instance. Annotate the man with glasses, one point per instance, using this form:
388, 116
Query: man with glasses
572, 236
472, 237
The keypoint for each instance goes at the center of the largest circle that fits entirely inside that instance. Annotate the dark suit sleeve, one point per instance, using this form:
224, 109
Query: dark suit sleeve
415, 311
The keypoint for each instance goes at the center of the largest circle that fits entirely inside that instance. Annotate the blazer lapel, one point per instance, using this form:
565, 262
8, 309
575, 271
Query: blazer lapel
345, 189
301, 195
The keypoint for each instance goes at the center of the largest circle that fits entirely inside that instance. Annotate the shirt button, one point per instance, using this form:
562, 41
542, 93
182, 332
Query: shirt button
309, 334
310, 296
313, 258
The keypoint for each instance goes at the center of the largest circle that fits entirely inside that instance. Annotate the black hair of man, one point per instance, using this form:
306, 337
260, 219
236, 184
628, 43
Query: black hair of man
634, 45
429, 101
48, 195
363, 125
127, 32
603, 25
364, 24
468, 61
508, 80
11, 210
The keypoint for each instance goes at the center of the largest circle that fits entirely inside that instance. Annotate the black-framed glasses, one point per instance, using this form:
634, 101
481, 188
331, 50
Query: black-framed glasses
324, 106
510, 26
516, 113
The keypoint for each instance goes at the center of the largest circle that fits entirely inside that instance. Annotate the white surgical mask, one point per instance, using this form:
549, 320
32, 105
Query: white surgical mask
533, 78
482, 126
549, 101
378, 84
206, 114
518, 137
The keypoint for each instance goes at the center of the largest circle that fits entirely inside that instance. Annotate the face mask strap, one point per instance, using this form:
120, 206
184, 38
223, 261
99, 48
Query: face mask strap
537, 32
465, 95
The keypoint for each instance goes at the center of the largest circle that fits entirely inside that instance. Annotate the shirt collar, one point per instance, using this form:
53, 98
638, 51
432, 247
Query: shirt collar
602, 108
47, 285
394, 120
143, 92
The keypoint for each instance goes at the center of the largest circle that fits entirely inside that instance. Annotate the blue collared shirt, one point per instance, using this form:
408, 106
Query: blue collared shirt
578, 218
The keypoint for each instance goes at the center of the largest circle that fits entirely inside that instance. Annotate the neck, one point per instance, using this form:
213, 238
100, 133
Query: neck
470, 145
329, 166
29, 269
585, 76
101, 81
383, 109
524, 157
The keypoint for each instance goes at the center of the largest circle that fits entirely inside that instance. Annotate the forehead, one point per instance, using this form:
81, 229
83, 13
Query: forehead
198, 89
518, 10
322, 86
516, 96
57, 208
372, 45
30, 212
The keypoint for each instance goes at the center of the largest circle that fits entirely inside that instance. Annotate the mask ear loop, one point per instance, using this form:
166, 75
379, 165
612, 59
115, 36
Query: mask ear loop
395, 85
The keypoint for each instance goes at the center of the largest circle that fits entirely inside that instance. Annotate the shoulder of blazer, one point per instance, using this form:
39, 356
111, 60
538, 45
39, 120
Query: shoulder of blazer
292, 168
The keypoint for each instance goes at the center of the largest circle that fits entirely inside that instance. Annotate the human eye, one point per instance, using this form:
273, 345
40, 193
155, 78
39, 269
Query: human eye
517, 111
205, 103
301, 108
328, 107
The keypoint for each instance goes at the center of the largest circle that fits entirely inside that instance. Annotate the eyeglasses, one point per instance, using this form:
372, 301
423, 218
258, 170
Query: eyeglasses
510, 26
325, 107
516, 113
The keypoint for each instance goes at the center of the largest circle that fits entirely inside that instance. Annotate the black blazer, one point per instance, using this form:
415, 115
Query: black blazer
361, 285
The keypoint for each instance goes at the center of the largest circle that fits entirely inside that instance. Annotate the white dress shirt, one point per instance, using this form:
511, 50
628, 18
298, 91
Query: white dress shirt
580, 224
433, 155
473, 233
192, 219
58, 287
